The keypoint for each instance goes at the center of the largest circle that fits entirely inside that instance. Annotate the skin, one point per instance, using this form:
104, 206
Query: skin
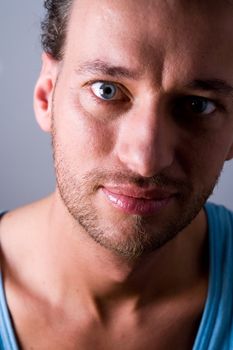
129, 280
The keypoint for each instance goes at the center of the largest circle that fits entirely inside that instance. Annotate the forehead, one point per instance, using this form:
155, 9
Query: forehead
147, 32
146, 15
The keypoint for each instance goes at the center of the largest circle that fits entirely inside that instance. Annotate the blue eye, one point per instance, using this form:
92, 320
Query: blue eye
105, 91
200, 105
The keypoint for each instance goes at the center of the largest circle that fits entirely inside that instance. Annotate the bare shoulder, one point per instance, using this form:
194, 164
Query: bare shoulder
17, 228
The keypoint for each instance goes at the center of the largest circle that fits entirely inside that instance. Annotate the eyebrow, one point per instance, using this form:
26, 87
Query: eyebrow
104, 68
215, 85
101, 67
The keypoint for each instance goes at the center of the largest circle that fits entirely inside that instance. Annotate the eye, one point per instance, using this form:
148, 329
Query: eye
106, 91
199, 105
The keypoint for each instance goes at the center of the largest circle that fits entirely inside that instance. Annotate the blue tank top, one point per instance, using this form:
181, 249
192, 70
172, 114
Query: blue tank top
216, 328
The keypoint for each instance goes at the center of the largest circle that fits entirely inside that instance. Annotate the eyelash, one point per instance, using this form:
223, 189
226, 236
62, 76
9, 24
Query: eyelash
183, 99
124, 91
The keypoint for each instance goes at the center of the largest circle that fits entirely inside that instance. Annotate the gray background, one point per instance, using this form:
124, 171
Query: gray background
26, 170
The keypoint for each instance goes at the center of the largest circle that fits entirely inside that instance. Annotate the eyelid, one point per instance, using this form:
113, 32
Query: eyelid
218, 104
207, 100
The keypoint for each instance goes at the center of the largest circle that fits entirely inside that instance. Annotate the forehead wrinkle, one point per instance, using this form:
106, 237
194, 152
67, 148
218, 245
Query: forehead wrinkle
105, 68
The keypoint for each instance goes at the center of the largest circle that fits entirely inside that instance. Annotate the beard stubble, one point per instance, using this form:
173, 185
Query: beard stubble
132, 236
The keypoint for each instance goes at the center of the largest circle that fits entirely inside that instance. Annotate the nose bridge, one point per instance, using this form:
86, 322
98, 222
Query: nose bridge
146, 140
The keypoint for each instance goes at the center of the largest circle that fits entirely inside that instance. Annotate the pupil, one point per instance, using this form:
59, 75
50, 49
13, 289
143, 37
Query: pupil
107, 90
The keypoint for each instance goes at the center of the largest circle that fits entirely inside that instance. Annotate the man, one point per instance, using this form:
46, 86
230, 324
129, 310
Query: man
125, 254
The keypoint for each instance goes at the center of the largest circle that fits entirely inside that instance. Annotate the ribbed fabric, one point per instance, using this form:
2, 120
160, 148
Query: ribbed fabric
216, 327
7, 337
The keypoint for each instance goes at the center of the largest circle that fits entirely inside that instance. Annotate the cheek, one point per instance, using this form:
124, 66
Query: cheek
82, 139
204, 156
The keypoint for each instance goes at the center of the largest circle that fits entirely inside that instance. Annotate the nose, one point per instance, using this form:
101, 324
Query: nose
146, 141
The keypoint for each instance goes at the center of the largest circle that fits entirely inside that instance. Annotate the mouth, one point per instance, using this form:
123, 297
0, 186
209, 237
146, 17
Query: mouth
132, 200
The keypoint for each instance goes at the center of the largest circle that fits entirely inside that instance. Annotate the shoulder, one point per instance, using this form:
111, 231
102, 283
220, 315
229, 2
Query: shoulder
17, 228
220, 223
216, 329
219, 216
19, 241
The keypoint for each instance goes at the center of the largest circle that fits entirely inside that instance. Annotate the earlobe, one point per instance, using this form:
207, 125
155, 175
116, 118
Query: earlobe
43, 93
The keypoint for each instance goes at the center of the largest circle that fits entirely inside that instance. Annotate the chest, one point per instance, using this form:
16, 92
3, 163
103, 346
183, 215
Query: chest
159, 329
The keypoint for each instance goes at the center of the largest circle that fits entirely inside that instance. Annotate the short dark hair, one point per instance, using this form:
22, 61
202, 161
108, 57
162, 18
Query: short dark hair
54, 26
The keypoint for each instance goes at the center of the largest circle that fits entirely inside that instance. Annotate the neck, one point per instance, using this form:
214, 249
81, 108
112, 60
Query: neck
76, 262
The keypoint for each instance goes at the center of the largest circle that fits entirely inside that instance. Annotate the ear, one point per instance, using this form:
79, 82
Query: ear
43, 92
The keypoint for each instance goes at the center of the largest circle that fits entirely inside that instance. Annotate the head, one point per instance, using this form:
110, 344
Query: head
138, 99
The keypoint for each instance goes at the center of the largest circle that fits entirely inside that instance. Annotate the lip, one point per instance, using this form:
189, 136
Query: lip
137, 201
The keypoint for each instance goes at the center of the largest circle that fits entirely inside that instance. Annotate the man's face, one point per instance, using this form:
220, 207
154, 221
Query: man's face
142, 116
